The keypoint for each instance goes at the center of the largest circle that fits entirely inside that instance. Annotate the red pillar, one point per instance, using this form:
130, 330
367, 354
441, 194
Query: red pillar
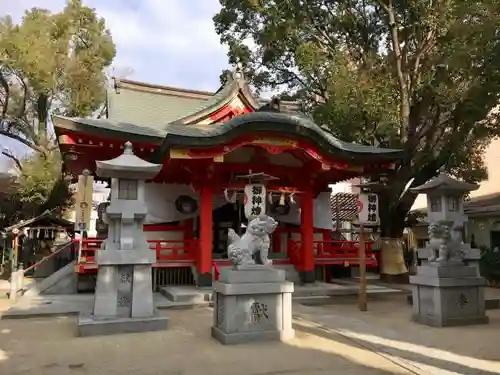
307, 236
204, 265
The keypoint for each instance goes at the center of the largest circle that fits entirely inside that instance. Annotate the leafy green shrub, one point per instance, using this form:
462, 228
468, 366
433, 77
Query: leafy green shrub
489, 264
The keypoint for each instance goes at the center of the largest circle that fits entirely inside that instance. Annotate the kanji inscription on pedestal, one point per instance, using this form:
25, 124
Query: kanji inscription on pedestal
258, 312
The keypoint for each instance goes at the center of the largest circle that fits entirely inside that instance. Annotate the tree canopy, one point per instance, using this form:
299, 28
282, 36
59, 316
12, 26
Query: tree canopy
49, 62
422, 76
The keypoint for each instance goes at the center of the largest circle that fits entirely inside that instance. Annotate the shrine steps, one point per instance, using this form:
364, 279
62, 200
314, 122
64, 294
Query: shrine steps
63, 281
187, 294
316, 293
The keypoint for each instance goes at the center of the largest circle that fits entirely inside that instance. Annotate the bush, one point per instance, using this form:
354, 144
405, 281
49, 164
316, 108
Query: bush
489, 264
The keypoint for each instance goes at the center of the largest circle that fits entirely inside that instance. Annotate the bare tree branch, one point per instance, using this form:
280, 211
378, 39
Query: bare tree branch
11, 156
403, 81
24, 141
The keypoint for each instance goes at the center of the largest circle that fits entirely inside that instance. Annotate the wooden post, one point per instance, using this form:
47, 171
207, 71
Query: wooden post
15, 248
362, 299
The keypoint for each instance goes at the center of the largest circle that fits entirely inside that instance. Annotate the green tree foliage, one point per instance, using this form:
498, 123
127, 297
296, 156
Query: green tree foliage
49, 62
38, 187
418, 75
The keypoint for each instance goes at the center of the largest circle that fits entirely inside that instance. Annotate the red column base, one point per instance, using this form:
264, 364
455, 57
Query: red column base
204, 280
307, 277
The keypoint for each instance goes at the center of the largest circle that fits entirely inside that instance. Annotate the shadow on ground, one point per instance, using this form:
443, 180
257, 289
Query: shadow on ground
386, 329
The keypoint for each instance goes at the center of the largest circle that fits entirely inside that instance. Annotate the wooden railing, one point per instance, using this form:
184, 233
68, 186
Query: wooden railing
332, 252
166, 250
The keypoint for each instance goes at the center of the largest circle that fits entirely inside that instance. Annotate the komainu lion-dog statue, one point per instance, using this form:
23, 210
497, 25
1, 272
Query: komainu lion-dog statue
254, 243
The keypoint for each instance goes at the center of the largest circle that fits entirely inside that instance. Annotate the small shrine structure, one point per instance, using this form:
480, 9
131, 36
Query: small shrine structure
224, 155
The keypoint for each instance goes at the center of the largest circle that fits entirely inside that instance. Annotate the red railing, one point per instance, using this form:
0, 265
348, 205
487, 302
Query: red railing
294, 253
166, 250
174, 250
333, 252
50, 256
216, 271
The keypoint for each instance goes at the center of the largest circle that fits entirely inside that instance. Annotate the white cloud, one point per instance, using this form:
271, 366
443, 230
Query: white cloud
170, 42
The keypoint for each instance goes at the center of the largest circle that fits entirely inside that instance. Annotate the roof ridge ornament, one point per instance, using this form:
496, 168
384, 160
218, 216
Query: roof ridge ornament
238, 72
128, 149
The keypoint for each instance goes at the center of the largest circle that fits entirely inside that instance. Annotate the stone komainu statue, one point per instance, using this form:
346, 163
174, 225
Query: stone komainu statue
445, 242
255, 242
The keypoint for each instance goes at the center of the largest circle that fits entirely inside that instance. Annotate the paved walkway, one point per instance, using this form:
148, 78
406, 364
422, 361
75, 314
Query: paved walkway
334, 339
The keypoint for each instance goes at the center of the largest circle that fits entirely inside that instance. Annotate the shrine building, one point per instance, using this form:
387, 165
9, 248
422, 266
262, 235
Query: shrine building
226, 156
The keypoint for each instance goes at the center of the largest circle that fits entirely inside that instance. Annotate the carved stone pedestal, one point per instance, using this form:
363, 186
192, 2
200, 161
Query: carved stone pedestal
123, 301
252, 304
448, 295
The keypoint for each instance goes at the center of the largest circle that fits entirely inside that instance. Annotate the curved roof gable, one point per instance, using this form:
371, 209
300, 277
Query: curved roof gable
292, 125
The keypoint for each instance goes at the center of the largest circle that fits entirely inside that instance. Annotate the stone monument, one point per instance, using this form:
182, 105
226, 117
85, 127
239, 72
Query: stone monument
252, 301
123, 301
446, 291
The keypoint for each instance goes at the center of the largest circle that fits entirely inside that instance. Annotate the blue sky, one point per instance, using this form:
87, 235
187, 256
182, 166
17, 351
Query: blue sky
170, 42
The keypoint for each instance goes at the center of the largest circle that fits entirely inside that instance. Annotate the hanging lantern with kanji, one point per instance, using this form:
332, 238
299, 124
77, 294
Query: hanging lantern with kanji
255, 200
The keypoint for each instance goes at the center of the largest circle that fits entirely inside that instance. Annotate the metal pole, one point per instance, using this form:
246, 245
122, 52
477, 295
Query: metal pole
362, 299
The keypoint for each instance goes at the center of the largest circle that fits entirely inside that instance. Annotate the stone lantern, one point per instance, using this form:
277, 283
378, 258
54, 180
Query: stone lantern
446, 291
123, 299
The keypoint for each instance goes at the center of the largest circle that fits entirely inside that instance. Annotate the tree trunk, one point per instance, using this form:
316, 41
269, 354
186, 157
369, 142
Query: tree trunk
42, 112
392, 265
394, 206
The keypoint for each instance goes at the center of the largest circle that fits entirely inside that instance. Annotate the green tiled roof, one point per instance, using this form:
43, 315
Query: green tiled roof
153, 106
149, 109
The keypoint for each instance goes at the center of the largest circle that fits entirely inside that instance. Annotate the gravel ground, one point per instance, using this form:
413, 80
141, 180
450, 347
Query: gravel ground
333, 339
49, 346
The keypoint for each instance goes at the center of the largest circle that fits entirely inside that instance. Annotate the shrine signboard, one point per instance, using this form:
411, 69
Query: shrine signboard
83, 201
368, 209
255, 200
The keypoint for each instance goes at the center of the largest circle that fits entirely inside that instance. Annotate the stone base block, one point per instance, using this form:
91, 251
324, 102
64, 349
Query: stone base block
434, 321
448, 301
250, 310
88, 326
307, 277
248, 337
447, 271
204, 280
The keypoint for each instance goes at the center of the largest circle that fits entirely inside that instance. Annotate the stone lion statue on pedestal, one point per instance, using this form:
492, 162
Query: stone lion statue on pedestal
255, 241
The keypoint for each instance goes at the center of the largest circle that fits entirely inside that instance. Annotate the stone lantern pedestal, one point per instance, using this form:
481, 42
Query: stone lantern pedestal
123, 301
446, 291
